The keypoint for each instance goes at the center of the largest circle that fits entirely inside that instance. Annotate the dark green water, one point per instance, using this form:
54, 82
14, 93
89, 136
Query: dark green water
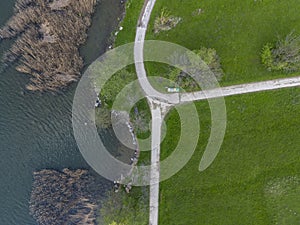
35, 129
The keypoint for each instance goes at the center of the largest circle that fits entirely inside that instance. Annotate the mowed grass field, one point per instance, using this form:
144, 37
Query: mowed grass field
255, 178
236, 29
261, 149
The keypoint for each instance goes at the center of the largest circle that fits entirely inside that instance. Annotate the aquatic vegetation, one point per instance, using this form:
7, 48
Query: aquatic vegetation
49, 34
64, 197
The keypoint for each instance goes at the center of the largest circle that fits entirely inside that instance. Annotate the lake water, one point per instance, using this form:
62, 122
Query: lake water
36, 129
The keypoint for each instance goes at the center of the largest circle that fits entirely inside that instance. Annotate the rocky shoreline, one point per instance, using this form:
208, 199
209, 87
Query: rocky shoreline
49, 34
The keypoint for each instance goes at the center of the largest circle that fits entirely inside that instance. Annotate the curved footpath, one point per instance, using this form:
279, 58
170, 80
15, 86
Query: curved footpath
156, 111
157, 101
139, 57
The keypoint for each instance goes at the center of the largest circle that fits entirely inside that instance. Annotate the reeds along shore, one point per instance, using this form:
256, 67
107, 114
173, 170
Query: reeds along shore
49, 33
64, 197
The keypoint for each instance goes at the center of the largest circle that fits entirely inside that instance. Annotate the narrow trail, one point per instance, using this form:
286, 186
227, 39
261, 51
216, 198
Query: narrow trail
241, 89
155, 157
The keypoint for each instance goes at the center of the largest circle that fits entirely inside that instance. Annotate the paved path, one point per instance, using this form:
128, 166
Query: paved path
176, 98
139, 57
154, 173
241, 89
156, 111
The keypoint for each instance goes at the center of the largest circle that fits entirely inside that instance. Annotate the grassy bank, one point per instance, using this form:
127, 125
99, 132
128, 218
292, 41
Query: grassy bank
127, 35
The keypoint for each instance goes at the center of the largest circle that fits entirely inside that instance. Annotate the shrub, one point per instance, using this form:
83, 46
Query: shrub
284, 56
165, 21
125, 209
211, 59
266, 55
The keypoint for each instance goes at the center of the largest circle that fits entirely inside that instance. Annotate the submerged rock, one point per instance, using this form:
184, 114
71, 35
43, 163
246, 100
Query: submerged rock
67, 197
49, 34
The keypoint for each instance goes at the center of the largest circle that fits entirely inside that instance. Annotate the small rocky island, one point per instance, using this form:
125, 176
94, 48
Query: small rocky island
65, 197
48, 35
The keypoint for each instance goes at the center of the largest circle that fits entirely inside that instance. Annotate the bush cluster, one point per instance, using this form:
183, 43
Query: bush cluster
284, 55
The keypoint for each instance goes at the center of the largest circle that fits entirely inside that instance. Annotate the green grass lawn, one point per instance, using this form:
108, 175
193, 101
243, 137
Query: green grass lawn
262, 144
255, 177
236, 29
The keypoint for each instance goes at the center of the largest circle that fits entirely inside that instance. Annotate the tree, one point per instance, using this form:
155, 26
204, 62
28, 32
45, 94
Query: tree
284, 55
209, 57
125, 209
114, 85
